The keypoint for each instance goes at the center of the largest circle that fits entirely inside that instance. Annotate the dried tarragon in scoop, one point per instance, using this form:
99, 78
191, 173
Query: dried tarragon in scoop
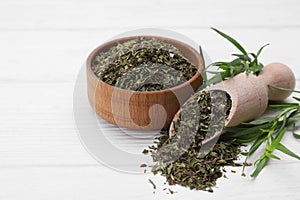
143, 64
181, 158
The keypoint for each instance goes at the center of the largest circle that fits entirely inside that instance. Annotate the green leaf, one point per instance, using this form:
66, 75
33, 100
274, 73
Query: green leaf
213, 72
293, 117
245, 153
285, 150
235, 129
215, 79
295, 113
260, 50
297, 136
256, 145
218, 64
245, 140
226, 74
284, 89
253, 55
260, 121
260, 165
204, 75
236, 62
270, 155
203, 60
233, 41
238, 131
297, 98
278, 138
242, 56
282, 105
256, 68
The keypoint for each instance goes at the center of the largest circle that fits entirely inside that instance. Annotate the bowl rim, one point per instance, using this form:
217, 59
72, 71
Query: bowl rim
110, 43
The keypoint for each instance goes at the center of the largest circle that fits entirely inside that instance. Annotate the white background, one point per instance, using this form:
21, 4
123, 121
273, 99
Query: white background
42, 47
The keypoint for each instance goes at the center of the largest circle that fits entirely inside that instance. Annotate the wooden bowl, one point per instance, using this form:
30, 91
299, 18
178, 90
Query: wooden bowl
141, 110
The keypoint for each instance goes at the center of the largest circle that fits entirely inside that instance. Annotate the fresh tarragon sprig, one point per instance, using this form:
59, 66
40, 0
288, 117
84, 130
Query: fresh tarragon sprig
243, 62
267, 130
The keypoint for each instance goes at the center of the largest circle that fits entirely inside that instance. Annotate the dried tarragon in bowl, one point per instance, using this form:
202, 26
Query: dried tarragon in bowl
182, 158
143, 64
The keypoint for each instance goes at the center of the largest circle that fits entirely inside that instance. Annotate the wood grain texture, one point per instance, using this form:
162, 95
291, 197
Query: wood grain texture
139, 110
61, 53
100, 15
250, 98
43, 46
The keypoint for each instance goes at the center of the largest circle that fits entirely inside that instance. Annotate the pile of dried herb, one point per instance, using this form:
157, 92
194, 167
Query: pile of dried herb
143, 64
181, 158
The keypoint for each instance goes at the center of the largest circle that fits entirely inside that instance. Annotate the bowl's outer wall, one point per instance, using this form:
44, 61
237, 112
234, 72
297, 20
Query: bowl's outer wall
130, 109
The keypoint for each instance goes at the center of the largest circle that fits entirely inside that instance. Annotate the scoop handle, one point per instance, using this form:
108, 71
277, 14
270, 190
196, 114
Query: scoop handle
279, 75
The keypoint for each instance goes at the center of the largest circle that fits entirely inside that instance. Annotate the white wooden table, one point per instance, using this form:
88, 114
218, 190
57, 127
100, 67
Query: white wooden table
42, 47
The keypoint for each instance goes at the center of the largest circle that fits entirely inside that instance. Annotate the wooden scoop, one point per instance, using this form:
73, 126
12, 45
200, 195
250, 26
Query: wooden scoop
250, 94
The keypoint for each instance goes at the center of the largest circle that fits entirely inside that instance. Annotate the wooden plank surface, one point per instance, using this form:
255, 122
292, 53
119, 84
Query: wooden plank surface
45, 56
92, 14
93, 182
43, 45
